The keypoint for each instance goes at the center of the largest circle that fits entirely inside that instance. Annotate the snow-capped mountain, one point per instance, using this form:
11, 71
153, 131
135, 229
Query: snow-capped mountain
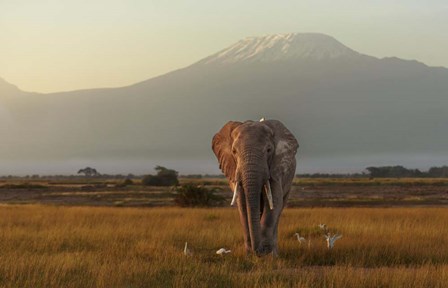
348, 110
282, 47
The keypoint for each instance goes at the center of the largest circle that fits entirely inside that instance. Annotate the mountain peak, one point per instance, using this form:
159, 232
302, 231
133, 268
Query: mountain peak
278, 47
6, 87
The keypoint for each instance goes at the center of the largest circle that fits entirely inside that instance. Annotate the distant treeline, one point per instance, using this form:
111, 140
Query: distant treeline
333, 175
372, 172
100, 176
400, 171
386, 172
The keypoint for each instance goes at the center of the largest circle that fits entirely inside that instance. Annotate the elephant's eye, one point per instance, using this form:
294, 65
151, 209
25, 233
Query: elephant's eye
234, 151
269, 150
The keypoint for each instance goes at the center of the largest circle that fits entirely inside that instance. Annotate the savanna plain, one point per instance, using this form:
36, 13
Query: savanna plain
90, 240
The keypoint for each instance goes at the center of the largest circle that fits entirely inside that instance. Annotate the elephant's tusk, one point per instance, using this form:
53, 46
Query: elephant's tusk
235, 192
267, 188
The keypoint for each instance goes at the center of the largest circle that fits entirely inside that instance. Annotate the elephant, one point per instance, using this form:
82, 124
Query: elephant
258, 160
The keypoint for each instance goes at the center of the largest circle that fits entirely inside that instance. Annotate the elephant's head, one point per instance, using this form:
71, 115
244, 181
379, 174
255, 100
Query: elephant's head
253, 155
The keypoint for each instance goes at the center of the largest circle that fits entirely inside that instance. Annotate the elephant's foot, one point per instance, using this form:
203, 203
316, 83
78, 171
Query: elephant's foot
275, 252
264, 249
248, 247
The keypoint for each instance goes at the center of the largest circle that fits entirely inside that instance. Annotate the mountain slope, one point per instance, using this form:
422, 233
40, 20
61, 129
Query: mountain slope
347, 109
7, 88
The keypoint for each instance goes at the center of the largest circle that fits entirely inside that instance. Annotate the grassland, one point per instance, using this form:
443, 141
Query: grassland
59, 246
306, 192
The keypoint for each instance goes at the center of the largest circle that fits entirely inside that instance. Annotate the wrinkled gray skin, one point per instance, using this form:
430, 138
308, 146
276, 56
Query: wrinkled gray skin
250, 154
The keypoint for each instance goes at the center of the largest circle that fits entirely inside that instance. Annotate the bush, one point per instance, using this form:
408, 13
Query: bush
128, 182
190, 195
125, 183
164, 177
150, 180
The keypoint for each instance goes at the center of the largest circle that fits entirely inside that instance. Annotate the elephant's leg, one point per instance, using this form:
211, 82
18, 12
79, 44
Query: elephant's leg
275, 248
269, 221
242, 209
282, 204
275, 235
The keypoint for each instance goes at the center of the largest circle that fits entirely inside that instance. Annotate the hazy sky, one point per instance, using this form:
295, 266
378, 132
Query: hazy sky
55, 45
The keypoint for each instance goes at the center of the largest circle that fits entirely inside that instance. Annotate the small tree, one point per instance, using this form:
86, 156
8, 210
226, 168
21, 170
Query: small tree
89, 172
164, 177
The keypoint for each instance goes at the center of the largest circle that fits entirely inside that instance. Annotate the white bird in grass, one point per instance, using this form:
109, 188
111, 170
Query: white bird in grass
299, 238
223, 251
323, 226
332, 239
187, 251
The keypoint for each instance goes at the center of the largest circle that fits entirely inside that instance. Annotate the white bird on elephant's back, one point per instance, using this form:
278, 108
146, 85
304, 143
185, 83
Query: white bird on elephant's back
258, 159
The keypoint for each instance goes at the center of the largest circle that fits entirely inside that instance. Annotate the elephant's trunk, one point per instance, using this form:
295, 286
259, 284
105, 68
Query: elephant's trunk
252, 186
254, 174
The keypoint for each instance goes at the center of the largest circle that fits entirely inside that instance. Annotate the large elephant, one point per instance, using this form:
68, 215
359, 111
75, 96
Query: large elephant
258, 159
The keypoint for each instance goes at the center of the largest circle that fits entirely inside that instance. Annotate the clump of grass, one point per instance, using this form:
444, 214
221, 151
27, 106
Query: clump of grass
125, 183
190, 195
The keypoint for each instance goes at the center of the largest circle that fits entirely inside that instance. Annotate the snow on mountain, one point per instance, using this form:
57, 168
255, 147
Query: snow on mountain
276, 47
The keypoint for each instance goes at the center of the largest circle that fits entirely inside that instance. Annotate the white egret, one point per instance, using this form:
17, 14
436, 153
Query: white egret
323, 226
223, 251
332, 239
187, 251
299, 238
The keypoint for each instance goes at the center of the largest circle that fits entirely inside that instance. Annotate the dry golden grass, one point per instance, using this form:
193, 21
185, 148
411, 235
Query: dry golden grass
372, 181
346, 181
48, 246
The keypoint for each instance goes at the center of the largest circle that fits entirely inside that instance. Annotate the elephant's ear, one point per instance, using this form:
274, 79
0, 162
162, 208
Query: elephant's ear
222, 146
286, 146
